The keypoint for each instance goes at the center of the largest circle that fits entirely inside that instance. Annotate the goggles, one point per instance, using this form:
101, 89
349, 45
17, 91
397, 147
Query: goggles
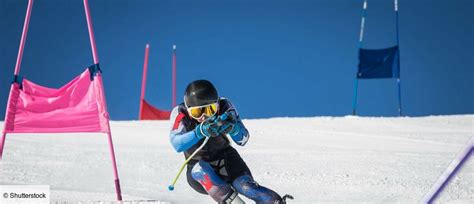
206, 110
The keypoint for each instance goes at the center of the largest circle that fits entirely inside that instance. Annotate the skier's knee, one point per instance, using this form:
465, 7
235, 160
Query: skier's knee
193, 183
197, 171
203, 173
217, 188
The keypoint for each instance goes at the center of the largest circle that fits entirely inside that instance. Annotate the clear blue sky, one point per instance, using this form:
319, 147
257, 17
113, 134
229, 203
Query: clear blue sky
270, 57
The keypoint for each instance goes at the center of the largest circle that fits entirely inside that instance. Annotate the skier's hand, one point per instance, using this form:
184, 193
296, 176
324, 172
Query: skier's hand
198, 131
210, 127
217, 125
204, 130
227, 123
227, 128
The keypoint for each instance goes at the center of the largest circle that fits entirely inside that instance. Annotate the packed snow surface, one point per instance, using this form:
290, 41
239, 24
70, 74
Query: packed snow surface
318, 159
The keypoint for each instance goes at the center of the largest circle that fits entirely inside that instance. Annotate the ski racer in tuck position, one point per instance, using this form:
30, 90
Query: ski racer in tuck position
217, 168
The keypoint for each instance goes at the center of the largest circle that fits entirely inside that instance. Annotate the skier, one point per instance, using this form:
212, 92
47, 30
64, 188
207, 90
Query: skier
217, 169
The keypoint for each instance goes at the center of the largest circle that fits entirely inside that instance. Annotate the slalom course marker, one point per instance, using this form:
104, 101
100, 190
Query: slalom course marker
32, 108
378, 63
148, 111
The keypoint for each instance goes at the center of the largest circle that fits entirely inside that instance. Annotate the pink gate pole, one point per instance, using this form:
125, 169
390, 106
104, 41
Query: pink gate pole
173, 103
17, 70
145, 68
99, 80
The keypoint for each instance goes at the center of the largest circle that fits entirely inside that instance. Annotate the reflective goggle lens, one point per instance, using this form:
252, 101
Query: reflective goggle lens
208, 110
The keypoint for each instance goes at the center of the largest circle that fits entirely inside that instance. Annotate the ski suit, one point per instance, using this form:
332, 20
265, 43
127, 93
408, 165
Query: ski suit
217, 169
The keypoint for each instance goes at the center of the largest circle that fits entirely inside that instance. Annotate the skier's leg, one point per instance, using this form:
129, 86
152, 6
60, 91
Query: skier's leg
217, 188
193, 183
242, 180
246, 186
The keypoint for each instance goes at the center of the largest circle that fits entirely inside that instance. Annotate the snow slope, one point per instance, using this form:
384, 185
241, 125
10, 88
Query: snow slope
319, 159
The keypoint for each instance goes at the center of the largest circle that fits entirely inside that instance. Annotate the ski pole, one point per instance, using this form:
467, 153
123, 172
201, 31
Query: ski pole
171, 187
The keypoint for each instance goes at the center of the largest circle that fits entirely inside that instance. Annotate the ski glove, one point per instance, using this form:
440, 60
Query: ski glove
227, 123
208, 128
225, 128
199, 132
204, 130
234, 131
218, 125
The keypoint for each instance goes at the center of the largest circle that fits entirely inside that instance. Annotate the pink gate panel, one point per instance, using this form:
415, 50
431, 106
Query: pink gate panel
78, 106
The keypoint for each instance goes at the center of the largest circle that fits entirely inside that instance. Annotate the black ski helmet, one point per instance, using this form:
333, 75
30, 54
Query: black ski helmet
200, 92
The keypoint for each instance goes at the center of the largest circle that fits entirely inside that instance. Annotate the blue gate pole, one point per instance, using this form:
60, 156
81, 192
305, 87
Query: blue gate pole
361, 37
354, 101
399, 98
398, 44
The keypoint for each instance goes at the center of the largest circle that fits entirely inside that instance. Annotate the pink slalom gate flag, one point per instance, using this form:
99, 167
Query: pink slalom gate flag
78, 106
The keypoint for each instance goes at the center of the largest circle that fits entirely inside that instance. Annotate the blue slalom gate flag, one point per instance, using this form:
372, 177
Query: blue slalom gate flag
379, 63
